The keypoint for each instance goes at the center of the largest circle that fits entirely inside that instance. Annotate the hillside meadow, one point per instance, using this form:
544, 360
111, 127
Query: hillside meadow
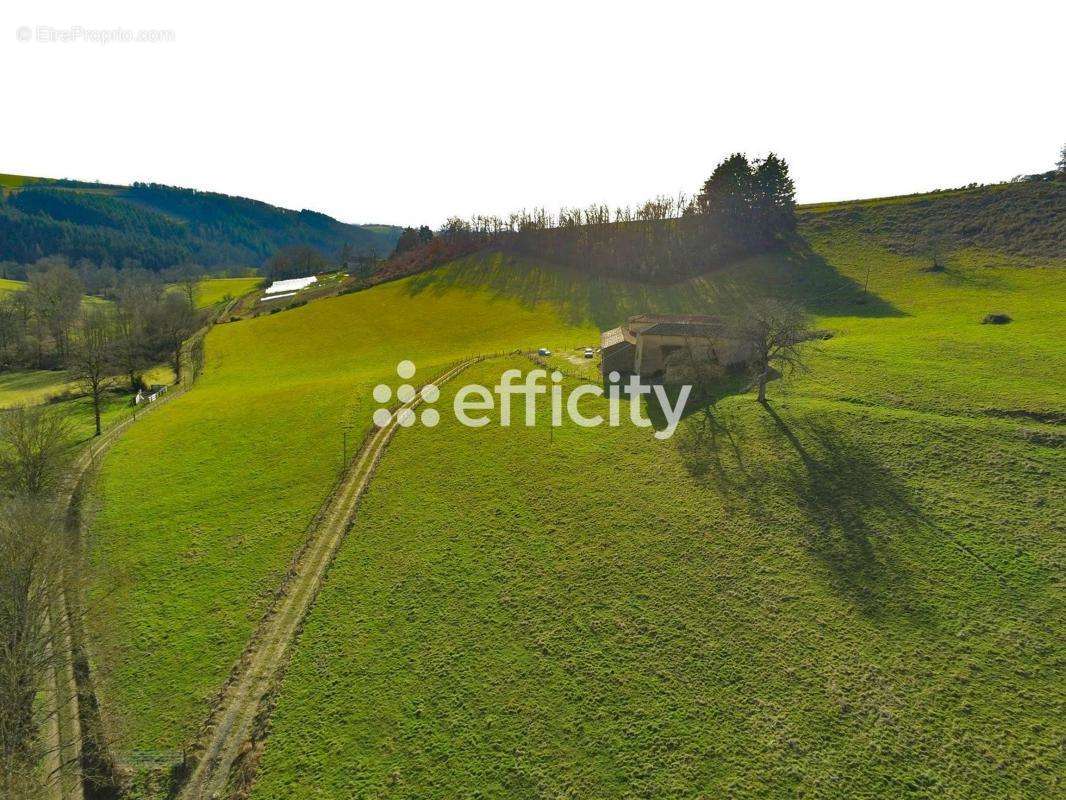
842, 600
858, 587
212, 291
853, 593
188, 553
55, 387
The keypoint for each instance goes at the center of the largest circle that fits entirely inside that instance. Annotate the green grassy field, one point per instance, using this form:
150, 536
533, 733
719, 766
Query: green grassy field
246, 459
36, 387
7, 286
18, 181
54, 387
855, 601
855, 595
214, 290
30, 387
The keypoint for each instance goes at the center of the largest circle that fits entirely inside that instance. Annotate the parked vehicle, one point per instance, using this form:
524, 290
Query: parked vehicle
589, 352
544, 351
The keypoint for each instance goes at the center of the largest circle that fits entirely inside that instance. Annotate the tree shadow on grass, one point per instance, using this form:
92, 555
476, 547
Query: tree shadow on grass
704, 406
851, 507
825, 290
580, 298
854, 506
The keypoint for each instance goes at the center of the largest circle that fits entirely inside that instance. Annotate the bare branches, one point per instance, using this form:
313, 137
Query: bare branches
773, 335
93, 355
172, 320
34, 450
32, 558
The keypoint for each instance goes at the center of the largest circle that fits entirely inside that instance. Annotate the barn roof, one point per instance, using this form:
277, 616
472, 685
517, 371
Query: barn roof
700, 329
684, 319
616, 336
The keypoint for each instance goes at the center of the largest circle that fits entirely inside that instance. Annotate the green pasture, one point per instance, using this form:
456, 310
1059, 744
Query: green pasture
211, 291
852, 594
839, 600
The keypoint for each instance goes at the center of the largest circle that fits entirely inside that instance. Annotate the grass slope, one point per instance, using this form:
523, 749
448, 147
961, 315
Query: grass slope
215, 290
9, 286
189, 550
607, 615
856, 602
857, 595
1026, 218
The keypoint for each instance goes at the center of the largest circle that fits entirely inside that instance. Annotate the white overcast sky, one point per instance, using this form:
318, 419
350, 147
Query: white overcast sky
409, 112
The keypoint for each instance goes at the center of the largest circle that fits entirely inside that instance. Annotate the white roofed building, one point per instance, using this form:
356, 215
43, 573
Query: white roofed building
291, 285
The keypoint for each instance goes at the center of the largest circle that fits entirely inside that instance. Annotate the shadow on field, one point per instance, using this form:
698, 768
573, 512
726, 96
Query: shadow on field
605, 302
825, 290
579, 300
970, 278
850, 504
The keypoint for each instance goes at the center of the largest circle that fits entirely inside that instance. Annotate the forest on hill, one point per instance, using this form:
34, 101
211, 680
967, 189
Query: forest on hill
157, 226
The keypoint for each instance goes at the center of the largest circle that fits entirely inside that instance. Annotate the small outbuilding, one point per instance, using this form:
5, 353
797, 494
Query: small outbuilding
150, 394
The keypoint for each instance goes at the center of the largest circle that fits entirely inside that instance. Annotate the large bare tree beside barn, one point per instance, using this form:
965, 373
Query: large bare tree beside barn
774, 334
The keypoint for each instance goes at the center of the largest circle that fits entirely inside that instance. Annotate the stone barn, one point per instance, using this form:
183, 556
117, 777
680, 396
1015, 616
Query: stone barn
645, 342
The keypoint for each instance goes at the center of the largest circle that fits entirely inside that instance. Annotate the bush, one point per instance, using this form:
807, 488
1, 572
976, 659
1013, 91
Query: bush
996, 319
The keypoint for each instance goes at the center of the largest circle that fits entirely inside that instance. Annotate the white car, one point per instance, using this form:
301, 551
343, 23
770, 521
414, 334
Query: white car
589, 352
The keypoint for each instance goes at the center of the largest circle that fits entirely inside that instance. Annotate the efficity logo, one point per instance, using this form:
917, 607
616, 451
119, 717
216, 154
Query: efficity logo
405, 415
475, 405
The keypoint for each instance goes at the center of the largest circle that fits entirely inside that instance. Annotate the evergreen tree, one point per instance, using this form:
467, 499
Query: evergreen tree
774, 199
727, 193
411, 238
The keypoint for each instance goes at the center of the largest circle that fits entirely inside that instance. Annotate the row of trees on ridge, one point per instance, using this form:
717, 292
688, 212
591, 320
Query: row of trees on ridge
744, 207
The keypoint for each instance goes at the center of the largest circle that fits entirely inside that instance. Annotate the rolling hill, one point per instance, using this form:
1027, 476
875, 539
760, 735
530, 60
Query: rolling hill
857, 592
161, 226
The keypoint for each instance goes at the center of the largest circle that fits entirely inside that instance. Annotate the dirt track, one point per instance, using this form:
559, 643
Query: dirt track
63, 729
230, 726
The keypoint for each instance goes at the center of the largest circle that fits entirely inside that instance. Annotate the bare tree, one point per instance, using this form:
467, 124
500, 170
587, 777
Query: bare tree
132, 308
937, 249
172, 321
55, 292
91, 360
189, 277
772, 334
35, 449
31, 568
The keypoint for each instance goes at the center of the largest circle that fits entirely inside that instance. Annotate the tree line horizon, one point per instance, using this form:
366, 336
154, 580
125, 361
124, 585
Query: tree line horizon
746, 206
